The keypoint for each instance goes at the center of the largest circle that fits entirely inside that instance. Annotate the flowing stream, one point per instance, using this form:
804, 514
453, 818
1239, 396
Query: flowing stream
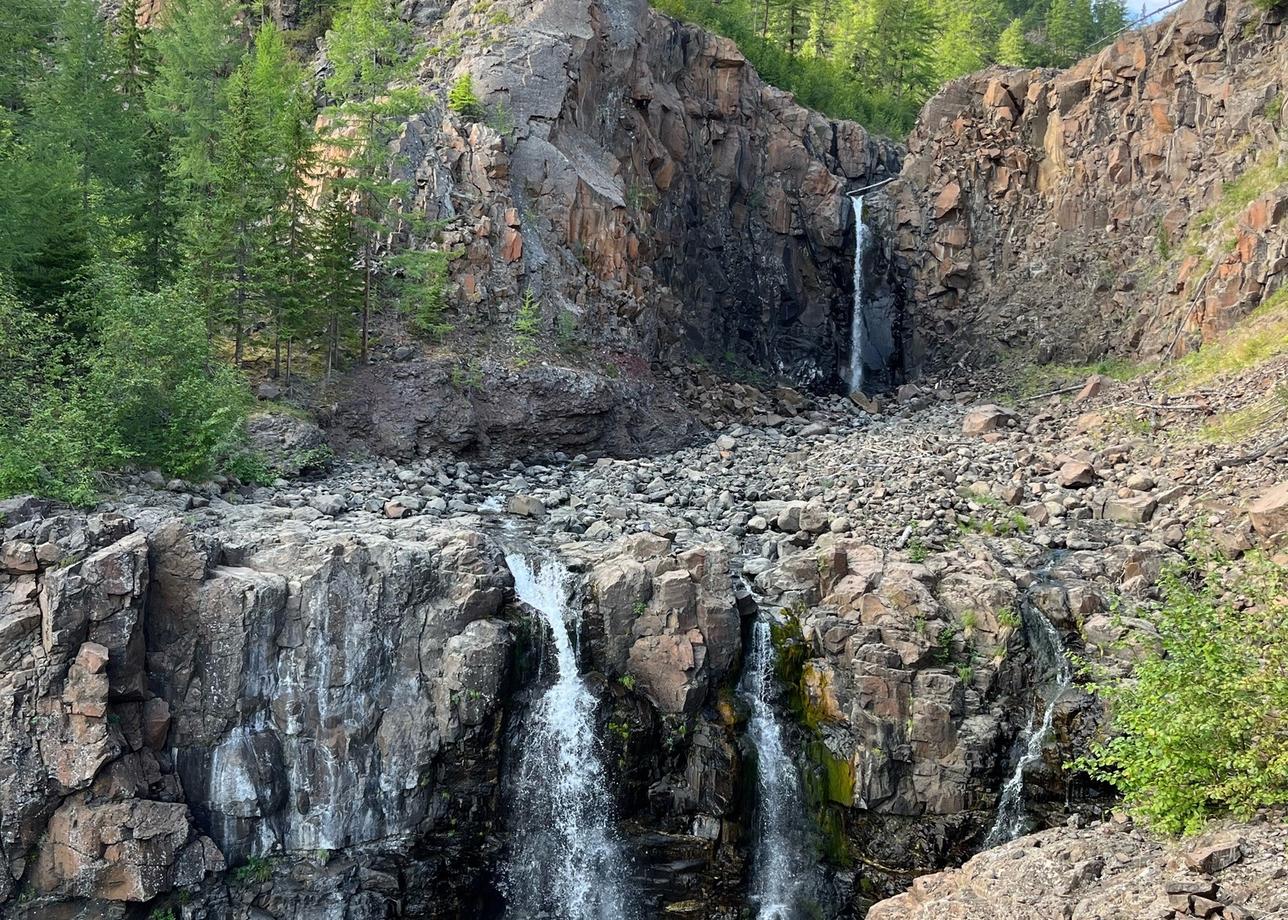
781, 873
565, 861
1046, 643
858, 323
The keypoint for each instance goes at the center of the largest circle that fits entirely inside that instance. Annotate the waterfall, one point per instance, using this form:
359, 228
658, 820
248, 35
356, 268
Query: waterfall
565, 862
1046, 642
858, 325
780, 863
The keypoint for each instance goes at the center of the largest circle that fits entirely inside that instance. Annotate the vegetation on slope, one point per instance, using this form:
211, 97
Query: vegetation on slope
174, 208
1202, 726
877, 61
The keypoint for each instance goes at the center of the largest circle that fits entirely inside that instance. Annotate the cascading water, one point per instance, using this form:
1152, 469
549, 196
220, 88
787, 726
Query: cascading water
1049, 647
565, 862
858, 322
781, 879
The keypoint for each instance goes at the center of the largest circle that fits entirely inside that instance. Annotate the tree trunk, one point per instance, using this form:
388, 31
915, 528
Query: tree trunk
366, 298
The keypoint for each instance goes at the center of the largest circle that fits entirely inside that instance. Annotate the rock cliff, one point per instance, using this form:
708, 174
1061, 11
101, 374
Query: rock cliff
1132, 204
635, 179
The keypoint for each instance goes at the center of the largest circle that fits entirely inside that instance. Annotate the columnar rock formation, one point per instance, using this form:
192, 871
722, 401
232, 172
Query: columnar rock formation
637, 179
1132, 204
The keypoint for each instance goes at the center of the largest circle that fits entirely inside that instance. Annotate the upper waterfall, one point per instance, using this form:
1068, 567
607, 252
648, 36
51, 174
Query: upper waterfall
858, 323
565, 859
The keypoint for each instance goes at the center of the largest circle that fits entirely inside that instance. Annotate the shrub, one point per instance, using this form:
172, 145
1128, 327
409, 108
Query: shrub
462, 100
1202, 728
140, 389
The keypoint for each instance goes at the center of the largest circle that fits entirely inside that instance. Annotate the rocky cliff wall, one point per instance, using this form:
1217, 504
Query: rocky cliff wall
637, 176
1132, 204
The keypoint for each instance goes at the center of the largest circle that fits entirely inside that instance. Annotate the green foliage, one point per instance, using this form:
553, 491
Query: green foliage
1202, 728
877, 61
1009, 617
162, 913
420, 282
527, 323
144, 393
462, 99
256, 870
369, 47
155, 395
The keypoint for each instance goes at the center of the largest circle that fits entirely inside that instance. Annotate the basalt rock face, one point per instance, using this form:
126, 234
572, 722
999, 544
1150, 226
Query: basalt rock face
637, 176
428, 406
1132, 204
1110, 871
178, 702
911, 683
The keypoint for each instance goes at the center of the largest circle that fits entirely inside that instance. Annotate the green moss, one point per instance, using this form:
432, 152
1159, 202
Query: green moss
829, 792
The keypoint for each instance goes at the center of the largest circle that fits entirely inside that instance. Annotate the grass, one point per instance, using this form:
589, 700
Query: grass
1242, 424
1035, 379
1258, 337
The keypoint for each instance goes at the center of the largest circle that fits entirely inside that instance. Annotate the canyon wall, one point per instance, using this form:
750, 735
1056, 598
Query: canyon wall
1132, 204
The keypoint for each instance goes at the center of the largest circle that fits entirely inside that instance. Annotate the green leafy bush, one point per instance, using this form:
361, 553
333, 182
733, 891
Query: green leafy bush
1202, 726
140, 390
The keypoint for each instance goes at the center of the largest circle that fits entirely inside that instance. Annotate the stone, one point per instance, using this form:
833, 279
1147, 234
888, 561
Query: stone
92, 657
984, 419
1269, 512
1137, 509
17, 557
1076, 474
288, 444
526, 506
1095, 383
1219, 853
329, 505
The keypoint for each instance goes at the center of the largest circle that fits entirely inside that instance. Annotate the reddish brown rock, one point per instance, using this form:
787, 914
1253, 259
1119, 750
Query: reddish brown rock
1269, 513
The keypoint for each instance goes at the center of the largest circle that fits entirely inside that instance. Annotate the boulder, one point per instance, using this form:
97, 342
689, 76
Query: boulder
1269, 512
1076, 474
984, 419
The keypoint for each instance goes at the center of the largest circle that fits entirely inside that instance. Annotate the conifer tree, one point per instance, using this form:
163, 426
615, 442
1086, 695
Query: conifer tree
1012, 46
370, 49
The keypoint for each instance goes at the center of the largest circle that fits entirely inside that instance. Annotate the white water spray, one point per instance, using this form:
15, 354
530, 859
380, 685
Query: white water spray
782, 876
858, 326
1045, 640
565, 861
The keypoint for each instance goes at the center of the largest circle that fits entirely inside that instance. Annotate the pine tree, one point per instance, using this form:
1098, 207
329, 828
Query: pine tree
198, 48
1069, 30
1108, 18
462, 100
1012, 46
338, 283
370, 48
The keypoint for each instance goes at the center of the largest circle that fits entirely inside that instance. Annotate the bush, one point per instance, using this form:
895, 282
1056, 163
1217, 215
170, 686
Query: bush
154, 390
141, 389
1202, 728
462, 100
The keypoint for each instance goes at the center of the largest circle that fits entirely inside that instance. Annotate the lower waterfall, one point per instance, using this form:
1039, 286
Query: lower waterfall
1045, 640
858, 322
781, 863
565, 862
